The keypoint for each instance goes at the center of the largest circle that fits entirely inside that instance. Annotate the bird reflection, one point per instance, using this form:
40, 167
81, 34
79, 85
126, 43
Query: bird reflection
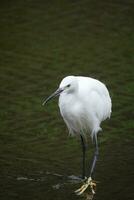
87, 196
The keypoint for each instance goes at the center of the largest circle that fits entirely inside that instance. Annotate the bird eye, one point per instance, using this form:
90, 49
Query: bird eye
68, 85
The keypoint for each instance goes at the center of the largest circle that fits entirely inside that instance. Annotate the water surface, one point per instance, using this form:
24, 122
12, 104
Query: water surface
40, 43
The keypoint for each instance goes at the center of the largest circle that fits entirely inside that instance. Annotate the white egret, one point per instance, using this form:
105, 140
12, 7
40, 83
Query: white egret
84, 103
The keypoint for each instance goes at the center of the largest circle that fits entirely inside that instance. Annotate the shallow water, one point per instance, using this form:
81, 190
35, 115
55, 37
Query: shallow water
30, 180
40, 43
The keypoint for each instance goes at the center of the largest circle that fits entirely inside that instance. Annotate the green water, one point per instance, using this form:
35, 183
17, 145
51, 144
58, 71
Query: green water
40, 43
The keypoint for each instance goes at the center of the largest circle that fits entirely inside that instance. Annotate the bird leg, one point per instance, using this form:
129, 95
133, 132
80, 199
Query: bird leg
83, 159
95, 157
89, 181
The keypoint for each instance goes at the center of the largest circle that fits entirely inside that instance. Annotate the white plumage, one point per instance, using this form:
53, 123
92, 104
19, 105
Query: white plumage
84, 103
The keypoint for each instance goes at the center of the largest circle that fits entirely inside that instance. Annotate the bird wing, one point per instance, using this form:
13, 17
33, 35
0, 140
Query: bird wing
96, 97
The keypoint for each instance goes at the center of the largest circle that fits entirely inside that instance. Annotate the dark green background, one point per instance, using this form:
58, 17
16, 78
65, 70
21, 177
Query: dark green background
40, 43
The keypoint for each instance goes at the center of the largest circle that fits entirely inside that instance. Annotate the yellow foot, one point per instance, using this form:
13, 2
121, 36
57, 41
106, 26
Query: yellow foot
89, 182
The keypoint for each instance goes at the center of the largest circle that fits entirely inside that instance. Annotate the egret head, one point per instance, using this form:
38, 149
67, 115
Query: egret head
68, 85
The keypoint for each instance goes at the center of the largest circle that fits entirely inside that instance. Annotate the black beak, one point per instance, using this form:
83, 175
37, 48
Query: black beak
56, 93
